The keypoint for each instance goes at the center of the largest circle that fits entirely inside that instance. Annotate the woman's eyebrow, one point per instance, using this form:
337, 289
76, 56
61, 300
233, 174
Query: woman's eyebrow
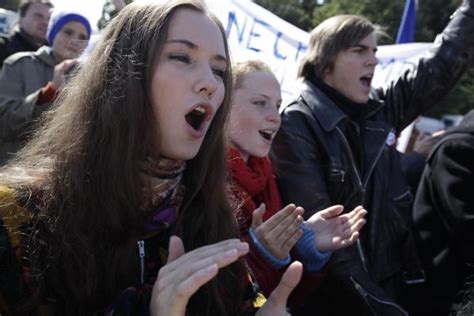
183, 41
263, 95
192, 45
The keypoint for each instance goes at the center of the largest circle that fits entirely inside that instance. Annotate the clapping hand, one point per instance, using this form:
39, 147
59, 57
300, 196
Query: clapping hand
185, 273
279, 233
276, 302
333, 230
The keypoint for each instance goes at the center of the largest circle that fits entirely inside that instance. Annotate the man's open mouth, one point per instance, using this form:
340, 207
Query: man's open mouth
367, 80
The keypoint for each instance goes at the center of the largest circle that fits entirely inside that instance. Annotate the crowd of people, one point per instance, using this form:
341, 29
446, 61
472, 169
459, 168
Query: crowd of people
157, 177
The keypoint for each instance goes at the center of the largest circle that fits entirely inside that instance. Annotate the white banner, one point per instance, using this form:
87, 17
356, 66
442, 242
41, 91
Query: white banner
255, 33
394, 59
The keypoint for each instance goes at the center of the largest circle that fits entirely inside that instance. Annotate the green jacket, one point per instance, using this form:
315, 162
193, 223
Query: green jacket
21, 79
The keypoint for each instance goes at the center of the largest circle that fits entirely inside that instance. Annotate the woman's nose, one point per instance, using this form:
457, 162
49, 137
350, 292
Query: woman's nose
206, 83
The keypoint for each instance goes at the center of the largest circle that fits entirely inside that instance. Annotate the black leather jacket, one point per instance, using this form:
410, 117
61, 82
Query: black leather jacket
316, 168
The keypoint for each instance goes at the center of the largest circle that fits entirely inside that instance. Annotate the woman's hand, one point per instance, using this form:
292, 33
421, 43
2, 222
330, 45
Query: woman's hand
60, 72
276, 303
333, 230
185, 273
280, 232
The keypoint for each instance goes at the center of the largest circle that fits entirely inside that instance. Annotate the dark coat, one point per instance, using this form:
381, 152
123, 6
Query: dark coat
18, 41
316, 168
444, 216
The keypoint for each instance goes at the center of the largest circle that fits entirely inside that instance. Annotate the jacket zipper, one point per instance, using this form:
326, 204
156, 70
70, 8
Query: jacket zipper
362, 255
401, 196
141, 254
362, 188
371, 169
359, 287
366, 294
348, 149
340, 173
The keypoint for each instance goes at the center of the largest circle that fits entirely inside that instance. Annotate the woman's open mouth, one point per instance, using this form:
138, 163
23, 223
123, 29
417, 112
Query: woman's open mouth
197, 116
267, 134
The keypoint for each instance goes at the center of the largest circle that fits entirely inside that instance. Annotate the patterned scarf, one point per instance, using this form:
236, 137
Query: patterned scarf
162, 182
254, 183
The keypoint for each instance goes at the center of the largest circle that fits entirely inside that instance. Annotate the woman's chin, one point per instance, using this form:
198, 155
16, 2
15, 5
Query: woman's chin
260, 153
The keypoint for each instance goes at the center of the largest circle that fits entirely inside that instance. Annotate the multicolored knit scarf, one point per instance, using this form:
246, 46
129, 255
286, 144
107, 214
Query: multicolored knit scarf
162, 181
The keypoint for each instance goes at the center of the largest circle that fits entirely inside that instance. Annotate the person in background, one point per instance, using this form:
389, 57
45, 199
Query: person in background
273, 231
337, 145
30, 33
128, 165
444, 217
414, 158
30, 81
110, 9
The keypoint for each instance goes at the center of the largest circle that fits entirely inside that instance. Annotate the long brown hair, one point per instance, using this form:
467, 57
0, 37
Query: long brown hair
85, 162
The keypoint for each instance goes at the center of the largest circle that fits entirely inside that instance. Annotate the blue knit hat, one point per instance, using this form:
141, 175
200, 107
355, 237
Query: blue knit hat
59, 18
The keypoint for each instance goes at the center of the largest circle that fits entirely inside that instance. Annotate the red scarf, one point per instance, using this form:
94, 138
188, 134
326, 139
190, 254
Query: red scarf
254, 183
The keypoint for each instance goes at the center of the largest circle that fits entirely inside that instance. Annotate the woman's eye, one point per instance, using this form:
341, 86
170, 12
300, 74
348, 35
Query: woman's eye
260, 103
68, 32
219, 73
181, 58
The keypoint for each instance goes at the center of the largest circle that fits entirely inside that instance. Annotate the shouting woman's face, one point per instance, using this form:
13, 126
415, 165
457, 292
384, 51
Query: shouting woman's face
254, 117
187, 86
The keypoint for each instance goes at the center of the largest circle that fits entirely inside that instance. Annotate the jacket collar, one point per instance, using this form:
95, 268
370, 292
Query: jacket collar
25, 37
325, 110
45, 54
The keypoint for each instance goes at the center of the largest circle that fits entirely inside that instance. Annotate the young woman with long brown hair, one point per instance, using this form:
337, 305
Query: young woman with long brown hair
132, 153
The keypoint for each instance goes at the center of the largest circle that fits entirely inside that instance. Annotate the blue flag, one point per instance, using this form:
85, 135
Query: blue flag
406, 31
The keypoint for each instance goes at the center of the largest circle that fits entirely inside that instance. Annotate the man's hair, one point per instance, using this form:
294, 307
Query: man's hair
332, 36
241, 69
25, 5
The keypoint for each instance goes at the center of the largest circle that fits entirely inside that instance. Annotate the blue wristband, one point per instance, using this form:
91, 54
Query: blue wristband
313, 260
275, 262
